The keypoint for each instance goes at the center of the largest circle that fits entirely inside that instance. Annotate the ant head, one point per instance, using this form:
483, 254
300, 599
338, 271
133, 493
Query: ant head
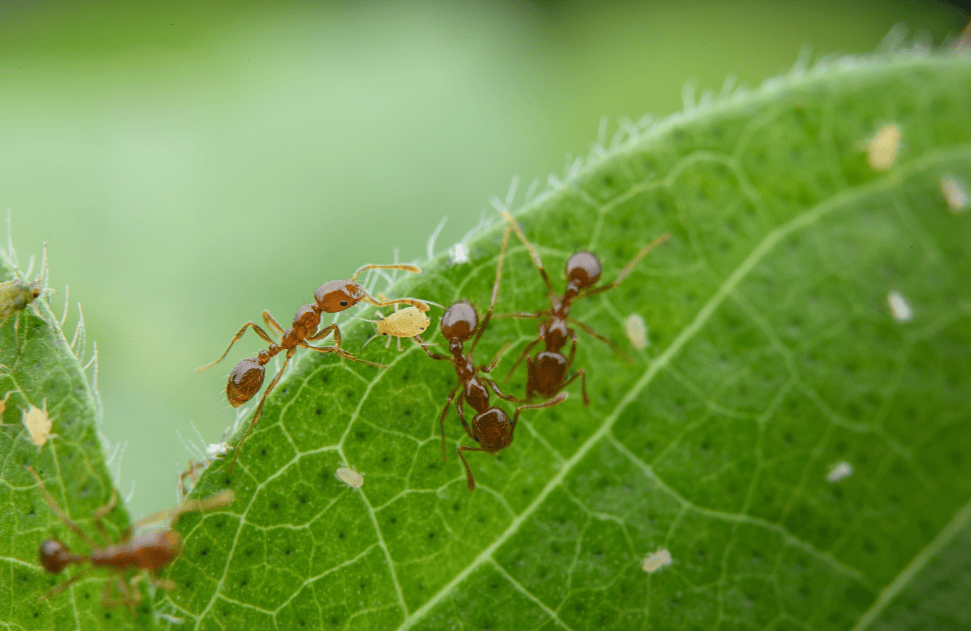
583, 270
459, 321
492, 430
337, 295
245, 381
54, 556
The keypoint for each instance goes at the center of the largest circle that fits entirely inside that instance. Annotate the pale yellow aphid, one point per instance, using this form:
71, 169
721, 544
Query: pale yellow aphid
407, 322
38, 424
350, 477
955, 193
15, 295
839, 471
899, 307
882, 149
654, 562
636, 331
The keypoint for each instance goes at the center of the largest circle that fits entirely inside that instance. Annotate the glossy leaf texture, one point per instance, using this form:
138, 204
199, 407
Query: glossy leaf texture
42, 379
780, 358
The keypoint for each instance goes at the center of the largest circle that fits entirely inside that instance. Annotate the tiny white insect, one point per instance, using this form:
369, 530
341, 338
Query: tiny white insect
883, 147
654, 562
899, 307
215, 450
38, 424
839, 471
458, 254
636, 331
350, 477
955, 193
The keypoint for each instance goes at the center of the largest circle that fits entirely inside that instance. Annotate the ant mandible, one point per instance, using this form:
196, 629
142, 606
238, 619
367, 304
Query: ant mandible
148, 551
332, 297
546, 372
491, 427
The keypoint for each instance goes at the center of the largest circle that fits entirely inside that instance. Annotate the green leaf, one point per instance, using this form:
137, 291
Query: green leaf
40, 370
774, 356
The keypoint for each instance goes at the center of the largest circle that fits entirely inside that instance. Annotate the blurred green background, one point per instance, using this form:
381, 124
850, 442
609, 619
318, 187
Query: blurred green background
190, 165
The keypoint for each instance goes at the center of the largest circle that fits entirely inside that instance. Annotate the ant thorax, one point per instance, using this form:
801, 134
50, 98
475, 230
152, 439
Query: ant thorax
554, 332
477, 395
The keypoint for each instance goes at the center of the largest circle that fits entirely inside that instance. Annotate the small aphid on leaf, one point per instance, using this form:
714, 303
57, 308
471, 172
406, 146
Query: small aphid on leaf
882, 149
38, 424
839, 471
350, 477
899, 307
656, 561
955, 193
636, 331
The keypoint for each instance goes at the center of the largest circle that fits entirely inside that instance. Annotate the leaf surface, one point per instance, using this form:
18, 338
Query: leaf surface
774, 356
41, 374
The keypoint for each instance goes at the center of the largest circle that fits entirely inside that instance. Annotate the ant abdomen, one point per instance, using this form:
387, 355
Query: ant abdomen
492, 429
54, 557
147, 551
245, 381
584, 269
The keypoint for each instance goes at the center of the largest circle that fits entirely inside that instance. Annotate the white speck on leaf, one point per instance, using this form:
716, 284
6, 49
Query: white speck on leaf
636, 331
458, 253
350, 477
899, 307
654, 562
955, 193
839, 471
882, 148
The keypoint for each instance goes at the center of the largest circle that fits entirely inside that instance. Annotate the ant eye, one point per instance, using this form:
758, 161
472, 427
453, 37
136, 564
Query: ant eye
475, 438
343, 303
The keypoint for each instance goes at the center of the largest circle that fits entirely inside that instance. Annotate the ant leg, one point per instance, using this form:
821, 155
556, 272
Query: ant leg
627, 268
341, 352
57, 589
421, 344
495, 360
460, 410
530, 378
273, 324
606, 340
159, 582
404, 267
495, 388
414, 302
324, 332
219, 500
190, 473
468, 471
57, 511
582, 374
533, 254
259, 408
263, 334
558, 399
495, 291
523, 355
441, 419
101, 512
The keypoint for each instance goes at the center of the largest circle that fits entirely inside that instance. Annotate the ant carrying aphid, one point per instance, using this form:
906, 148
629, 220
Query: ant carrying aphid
148, 551
491, 427
332, 297
546, 373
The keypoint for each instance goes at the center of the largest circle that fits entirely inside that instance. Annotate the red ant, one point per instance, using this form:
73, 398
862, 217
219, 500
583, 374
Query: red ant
332, 297
491, 427
148, 551
546, 372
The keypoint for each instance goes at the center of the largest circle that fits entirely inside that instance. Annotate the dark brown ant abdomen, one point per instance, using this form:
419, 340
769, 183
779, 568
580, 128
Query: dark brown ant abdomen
244, 382
492, 429
54, 557
148, 551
